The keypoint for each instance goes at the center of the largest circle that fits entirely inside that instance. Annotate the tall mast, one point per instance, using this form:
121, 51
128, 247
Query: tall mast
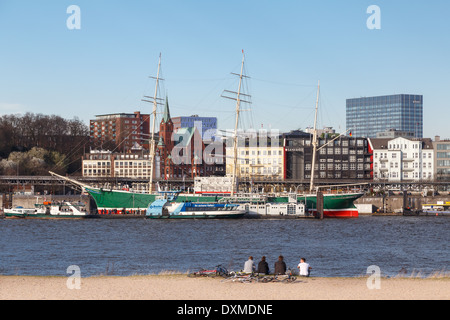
152, 141
238, 111
314, 141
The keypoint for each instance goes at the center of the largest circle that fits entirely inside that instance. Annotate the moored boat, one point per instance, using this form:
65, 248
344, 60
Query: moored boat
165, 207
48, 211
335, 205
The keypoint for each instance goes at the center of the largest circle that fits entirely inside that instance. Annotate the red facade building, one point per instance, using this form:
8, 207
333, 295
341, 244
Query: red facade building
181, 153
121, 132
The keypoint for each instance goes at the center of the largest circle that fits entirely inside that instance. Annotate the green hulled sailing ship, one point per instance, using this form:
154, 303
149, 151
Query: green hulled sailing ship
111, 201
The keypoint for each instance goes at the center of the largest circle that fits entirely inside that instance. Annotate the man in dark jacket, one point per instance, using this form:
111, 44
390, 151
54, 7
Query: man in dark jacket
263, 267
280, 266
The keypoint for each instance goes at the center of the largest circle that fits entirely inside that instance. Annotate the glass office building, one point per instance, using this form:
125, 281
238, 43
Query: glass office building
370, 115
207, 126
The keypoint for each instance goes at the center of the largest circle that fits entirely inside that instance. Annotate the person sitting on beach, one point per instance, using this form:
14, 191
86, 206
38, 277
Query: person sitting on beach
280, 266
304, 268
263, 267
249, 266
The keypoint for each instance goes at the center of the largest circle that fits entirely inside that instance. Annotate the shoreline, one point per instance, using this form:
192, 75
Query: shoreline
180, 287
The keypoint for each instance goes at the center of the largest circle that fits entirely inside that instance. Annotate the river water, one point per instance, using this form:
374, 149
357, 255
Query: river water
344, 248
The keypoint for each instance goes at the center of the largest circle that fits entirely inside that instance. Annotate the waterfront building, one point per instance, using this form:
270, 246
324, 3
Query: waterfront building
106, 164
346, 158
120, 132
180, 153
442, 158
183, 153
260, 157
207, 126
370, 115
401, 159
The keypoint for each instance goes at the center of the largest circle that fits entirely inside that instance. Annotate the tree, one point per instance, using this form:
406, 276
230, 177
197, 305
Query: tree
63, 140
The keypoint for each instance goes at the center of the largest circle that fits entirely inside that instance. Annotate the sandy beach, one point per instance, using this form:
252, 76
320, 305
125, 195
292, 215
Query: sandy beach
180, 287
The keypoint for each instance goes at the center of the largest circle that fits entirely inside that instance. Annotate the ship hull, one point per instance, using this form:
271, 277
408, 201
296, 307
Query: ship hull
339, 205
12, 215
123, 202
199, 216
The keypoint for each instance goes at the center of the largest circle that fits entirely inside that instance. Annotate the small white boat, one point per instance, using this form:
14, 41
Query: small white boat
48, 211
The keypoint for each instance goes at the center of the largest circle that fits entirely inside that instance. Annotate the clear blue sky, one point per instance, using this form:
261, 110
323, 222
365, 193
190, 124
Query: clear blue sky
289, 45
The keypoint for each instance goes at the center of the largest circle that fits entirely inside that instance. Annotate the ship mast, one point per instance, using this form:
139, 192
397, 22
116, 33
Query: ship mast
235, 142
152, 141
315, 143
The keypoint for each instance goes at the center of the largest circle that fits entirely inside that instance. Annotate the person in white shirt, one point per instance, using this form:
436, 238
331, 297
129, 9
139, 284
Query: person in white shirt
304, 268
249, 267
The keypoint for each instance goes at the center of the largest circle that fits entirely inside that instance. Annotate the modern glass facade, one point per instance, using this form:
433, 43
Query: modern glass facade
207, 126
370, 115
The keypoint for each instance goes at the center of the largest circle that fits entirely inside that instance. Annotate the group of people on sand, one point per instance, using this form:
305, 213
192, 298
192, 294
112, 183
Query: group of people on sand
279, 267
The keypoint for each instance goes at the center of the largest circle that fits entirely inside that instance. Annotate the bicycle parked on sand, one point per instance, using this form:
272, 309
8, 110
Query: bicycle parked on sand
241, 277
218, 271
260, 278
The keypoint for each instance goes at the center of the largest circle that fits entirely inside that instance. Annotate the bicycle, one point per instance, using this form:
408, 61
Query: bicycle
290, 277
259, 278
240, 276
287, 278
218, 271
246, 277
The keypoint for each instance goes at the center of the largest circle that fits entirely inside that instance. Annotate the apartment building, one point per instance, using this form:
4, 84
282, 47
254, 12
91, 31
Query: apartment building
345, 158
121, 132
106, 164
259, 158
403, 159
442, 158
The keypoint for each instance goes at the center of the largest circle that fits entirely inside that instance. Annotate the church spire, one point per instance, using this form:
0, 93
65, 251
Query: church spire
166, 116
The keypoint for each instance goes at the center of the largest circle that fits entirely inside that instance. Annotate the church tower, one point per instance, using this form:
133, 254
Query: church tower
166, 144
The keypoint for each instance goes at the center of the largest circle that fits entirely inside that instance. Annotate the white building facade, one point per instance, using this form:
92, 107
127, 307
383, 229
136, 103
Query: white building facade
258, 158
107, 165
402, 159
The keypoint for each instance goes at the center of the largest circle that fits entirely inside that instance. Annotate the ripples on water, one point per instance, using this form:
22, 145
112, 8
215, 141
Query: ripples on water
126, 247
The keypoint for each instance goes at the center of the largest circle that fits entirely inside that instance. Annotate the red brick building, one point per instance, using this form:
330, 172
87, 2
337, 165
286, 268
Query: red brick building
120, 132
181, 152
